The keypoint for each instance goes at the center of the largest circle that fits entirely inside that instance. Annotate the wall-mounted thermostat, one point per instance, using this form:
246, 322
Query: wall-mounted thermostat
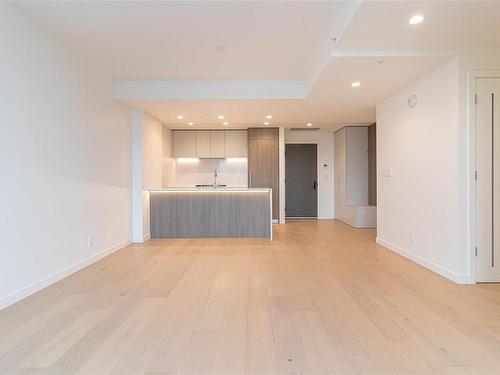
412, 101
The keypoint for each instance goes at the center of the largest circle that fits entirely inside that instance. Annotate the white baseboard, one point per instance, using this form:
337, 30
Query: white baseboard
142, 239
453, 276
55, 277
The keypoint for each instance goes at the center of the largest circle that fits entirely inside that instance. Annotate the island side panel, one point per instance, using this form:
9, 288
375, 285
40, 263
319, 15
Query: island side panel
237, 214
210, 214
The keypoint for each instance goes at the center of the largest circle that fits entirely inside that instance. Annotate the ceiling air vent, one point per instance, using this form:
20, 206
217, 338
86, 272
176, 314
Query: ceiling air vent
304, 129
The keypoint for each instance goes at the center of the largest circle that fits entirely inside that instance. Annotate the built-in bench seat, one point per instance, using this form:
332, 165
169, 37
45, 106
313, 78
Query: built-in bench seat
362, 216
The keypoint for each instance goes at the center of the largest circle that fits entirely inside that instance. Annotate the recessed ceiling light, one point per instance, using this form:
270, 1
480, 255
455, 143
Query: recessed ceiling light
356, 84
220, 117
225, 123
417, 18
190, 123
180, 117
309, 124
269, 117
266, 123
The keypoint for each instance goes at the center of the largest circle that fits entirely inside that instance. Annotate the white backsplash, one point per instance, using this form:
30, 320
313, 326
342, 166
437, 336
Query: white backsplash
190, 172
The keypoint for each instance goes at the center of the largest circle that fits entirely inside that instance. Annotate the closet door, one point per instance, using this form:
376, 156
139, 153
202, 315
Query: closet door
488, 180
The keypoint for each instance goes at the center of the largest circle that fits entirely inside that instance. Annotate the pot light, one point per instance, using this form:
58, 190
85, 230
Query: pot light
220, 117
190, 123
356, 84
180, 117
266, 123
309, 124
269, 117
416, 19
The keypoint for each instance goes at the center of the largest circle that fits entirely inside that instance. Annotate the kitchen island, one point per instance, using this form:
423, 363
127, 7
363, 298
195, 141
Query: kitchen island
211, 212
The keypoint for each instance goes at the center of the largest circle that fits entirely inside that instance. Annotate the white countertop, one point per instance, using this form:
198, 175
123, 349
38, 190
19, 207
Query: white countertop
210, 189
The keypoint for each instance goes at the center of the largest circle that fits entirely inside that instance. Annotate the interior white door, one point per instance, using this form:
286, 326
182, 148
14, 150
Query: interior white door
488, 179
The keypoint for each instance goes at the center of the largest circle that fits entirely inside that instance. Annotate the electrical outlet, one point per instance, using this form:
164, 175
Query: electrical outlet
412, 239
90, 241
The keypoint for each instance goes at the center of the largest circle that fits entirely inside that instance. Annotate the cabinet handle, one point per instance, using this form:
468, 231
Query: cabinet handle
250, 178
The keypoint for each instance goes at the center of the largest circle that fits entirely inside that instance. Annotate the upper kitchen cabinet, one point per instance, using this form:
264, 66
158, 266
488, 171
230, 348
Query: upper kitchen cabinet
206, 144
203, 144
236, 144
217, 144
184, 144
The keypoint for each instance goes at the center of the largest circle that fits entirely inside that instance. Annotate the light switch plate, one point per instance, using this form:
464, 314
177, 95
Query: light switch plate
386, 173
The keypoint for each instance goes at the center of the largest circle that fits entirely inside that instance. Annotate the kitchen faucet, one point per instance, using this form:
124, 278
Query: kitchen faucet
215, 178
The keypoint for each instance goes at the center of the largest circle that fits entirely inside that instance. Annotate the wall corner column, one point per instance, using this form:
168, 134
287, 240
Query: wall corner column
138, 217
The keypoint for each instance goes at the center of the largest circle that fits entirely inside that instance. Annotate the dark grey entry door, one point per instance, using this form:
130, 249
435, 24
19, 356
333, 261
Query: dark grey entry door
301, 174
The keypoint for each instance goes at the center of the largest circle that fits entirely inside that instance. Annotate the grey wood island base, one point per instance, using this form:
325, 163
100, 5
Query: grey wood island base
222, 212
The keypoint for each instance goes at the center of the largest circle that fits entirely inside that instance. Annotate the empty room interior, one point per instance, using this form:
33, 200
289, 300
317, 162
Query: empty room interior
250, 187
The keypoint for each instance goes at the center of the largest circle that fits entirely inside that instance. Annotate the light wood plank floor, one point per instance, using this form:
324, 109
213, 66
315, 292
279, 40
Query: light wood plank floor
321, 298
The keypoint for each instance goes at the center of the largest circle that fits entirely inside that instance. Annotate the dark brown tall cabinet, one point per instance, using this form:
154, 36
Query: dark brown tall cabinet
263, 162
372, 165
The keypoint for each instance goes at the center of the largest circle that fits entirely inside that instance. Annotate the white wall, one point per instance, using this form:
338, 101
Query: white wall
324, 140
153, 153
65, 161
422, 198
340, 175
168, 162
140, 198
147, 169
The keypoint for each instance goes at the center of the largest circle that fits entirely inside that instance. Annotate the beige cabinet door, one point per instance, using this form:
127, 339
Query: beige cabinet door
184, 144
203, 144
236, 144
217, 144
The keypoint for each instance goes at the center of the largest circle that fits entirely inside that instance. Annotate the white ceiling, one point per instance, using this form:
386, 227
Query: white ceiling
383, 25
331, 101
248, 59
179, 40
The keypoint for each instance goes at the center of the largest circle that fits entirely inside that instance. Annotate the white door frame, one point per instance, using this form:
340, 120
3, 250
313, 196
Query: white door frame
473, 75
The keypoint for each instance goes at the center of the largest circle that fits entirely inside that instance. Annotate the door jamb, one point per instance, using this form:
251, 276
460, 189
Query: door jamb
317, 167
472, 203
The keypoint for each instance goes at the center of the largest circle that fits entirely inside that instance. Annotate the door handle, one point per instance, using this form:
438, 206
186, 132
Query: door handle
315, 185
